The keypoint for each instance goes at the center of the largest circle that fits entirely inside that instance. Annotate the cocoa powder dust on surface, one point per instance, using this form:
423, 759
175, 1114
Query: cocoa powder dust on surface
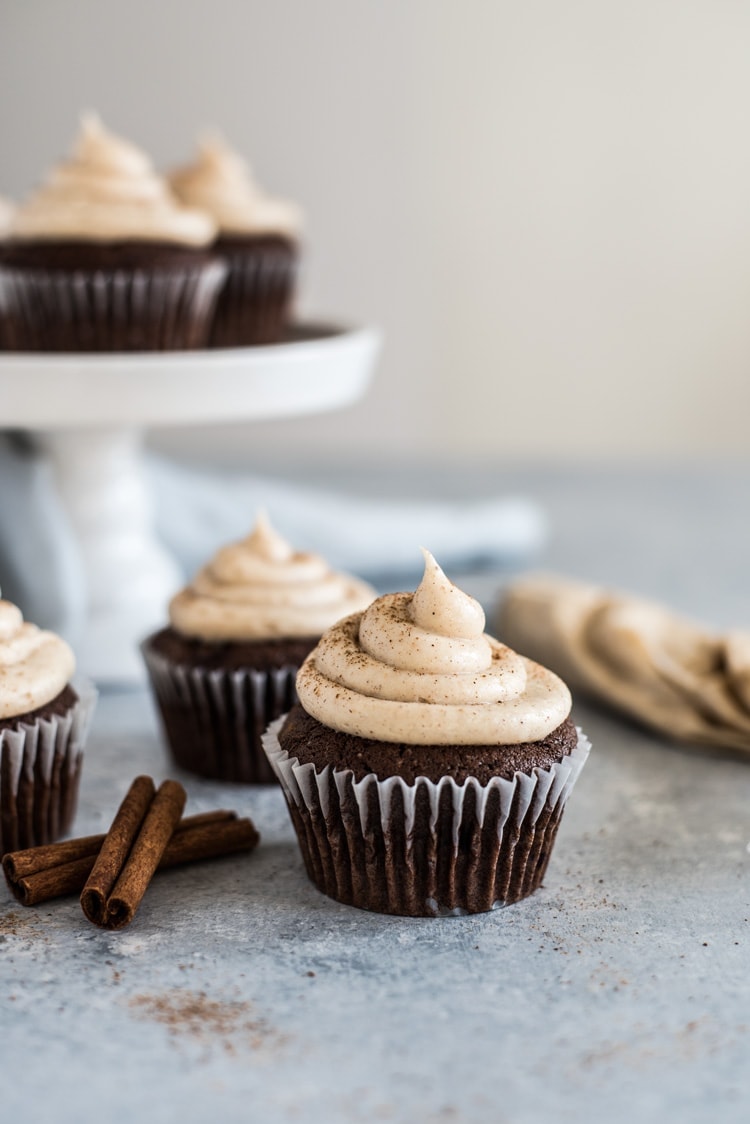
192, 1015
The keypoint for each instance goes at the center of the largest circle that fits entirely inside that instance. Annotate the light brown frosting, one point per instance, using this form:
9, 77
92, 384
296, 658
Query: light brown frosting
7, 211
221, 183
419, 668
672, 674
34, 665
260, 588
108, 191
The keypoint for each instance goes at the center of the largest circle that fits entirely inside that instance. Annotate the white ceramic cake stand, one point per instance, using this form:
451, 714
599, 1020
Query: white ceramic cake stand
89, 413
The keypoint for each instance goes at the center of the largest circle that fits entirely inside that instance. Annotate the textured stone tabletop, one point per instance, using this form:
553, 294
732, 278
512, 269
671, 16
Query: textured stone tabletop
620, 991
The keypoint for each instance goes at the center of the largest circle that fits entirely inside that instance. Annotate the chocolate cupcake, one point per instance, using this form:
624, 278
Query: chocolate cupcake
43, 725
226, 665
258, 238
426, 766
103, 258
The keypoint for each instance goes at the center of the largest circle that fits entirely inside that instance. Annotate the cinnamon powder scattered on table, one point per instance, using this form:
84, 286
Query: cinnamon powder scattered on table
16, 924
191, 1014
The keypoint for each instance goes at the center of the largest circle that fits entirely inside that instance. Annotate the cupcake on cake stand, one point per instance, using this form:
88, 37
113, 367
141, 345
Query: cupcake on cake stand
108, 292
89, 412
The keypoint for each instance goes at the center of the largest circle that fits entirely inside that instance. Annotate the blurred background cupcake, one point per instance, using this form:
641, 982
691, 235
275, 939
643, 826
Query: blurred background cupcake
103, 258
226, 665
43, 725
7, 211
258, 237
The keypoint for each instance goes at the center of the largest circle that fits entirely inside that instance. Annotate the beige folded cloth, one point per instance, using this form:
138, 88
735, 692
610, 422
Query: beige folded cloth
671, 674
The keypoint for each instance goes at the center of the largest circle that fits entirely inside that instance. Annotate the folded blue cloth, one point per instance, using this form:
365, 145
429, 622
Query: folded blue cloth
198, 509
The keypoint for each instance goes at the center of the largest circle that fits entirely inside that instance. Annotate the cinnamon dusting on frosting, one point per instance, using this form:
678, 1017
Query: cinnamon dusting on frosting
261, 588
419, 668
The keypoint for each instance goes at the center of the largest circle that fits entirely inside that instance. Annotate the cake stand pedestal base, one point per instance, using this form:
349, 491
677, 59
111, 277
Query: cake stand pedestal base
129, 575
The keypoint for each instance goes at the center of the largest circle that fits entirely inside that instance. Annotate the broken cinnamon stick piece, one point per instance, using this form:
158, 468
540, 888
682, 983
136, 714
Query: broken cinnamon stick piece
39, 874
131, 852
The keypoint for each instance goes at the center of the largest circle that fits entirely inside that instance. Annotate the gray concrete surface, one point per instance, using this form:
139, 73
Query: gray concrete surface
619, 992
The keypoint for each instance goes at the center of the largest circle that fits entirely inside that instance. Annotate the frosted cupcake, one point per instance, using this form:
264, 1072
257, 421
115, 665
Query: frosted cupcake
258, 237
102, 257
43, 724
226, 665
426, 766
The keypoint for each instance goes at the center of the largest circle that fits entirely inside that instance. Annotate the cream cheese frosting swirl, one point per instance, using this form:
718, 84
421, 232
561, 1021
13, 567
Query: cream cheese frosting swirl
220, 182
35, 665
262, 589
419, 668
108, 191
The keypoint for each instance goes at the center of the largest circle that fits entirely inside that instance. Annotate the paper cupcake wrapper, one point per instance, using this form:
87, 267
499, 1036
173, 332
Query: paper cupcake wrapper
40, 769
254, 303
5, 333
427, 848
213, 720
167, 308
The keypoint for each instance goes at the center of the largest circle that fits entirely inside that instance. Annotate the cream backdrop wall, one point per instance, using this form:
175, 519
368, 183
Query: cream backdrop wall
545, 205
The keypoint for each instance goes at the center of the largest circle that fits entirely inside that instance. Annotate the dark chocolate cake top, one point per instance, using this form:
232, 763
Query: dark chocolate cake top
303, 737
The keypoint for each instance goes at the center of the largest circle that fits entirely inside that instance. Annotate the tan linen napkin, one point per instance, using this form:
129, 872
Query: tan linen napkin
670, 673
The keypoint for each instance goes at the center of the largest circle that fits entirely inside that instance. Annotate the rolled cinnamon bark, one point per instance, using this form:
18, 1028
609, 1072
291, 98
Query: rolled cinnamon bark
131, 852
116, 847
210, 841
20, 864
55, 882
40, 874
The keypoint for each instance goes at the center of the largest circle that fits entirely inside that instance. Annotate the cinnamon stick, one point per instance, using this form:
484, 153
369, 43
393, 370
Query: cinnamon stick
131, 852
54, 870
34, 859
55, 882
210, 841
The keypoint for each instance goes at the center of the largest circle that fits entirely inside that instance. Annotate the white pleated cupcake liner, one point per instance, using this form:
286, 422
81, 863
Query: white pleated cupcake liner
40, 768
427, 848
213, 720
254, 303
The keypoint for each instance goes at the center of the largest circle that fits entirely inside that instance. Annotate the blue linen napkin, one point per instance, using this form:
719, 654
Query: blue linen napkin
198, 509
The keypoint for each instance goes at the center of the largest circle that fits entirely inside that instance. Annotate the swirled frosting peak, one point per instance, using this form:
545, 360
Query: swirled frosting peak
108, 191
439, 606
419, 668
266, 542
220, 182
261, 588
34, 665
